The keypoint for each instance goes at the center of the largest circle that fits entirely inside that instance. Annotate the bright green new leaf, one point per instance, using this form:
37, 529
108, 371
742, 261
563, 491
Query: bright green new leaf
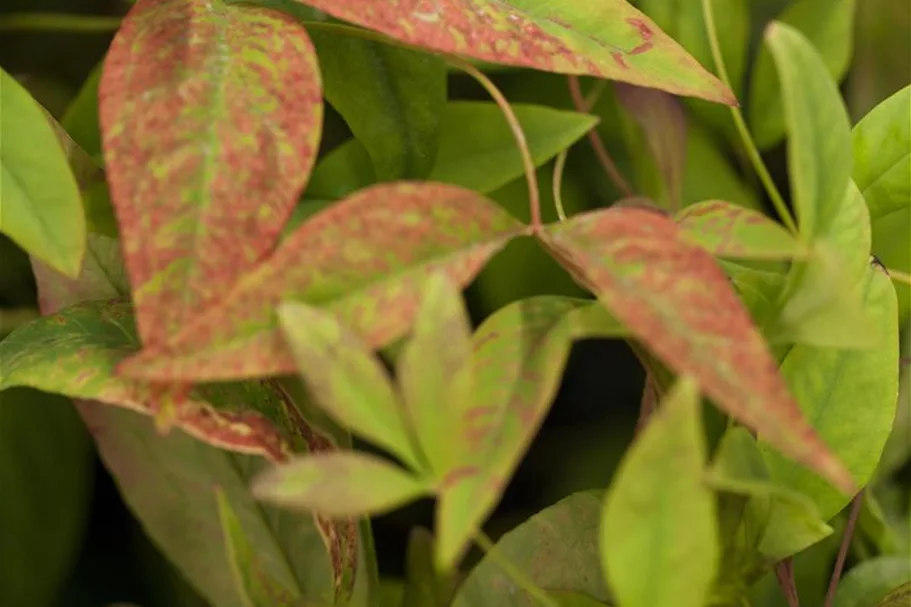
339, 484
870, 581
477, 149
556, 548
40, 206
347, 380
828, 26
882, 155
256, 587
659, 543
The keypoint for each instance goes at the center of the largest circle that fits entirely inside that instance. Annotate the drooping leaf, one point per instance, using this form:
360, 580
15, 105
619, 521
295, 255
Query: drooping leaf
347, 380
659, 544
339, 485
556, 548
729, 230
674, 298
604, 38
870, 581
828, 28
45, 480
40, 206
256, 587
393, 235
201, 186
518, 358
882, 155
477, 149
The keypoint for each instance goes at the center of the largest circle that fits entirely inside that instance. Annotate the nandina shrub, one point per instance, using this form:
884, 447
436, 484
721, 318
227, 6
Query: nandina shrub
458, 303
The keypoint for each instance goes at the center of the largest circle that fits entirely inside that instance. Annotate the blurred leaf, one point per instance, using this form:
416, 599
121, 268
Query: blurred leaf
827, 29
673, 297
424, 586
882, 54
870, 581
575, 599
347, 380
556, 548
46, 470
81, 116
606, 38
897, 598
891, 246
256, 587
709, 174
201, 191
339, 485
882, 155
39, 196
728, 230
394, 235
659, 544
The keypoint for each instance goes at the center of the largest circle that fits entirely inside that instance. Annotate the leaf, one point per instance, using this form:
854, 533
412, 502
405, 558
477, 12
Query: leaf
870, 581
339, 485
882, 155
394, 235
46, 478
659, 544
891, 245
674, 298
556, 548
80, 119
729, 230
424, 587
897, 598
575, 599
206, 147
829, 385
604, 38
518, 358
709, 173
819, 144
346, 379
827, 28
434, 371
390, 97
477, 149
40, 206
256, 587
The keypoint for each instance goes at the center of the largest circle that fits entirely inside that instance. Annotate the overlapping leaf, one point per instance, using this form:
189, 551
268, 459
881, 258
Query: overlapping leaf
673, 296
365, 258
605, 38
206, 147
871, 580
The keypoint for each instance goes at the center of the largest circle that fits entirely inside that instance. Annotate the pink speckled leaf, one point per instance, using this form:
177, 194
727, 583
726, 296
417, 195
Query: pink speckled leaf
211, 116
674, 297
365, 258
603, 38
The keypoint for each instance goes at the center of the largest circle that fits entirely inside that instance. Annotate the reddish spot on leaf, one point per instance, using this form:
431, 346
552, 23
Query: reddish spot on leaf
642, 27
674, 297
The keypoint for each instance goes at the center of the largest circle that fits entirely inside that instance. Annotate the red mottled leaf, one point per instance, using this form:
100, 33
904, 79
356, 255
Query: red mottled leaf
211, 116
675, 298
365, 258
603, 38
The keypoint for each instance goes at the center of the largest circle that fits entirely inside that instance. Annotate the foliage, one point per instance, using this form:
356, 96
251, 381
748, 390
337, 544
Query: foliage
301, 280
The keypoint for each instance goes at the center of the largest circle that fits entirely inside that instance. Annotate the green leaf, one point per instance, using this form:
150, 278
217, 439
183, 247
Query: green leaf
819, 143
40, 206
556, 548
870, 581
347, 380
206, 148
659, 544
256, 587
850, 398
46, 466
882, 155
897, 598
81, 116
729, 230
434, 371
390, 97
518, 357
892, 245
477, 149
827, 28
394, 235
575, 599
339, 484
424, 587
605, 38
709, 173
675, 299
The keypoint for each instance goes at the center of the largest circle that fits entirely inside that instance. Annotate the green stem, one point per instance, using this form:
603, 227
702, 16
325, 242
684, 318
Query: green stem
58, 22
487, 545
559, 166
748, 142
